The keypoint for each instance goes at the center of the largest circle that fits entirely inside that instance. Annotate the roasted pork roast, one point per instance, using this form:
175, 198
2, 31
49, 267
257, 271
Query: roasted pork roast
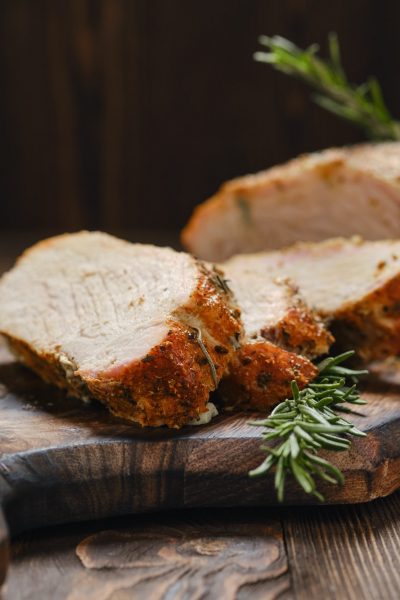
337, 192
281, 337
148, 331
354, 285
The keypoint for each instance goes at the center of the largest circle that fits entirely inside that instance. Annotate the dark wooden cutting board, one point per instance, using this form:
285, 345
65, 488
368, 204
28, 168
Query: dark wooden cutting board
61, 460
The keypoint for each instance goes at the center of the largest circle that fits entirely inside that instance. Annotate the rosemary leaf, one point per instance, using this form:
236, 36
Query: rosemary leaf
308, 421
362, 105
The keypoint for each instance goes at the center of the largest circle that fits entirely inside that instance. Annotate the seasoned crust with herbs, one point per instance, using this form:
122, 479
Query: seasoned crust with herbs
147, 331
261, 374
352, 284
340, 191
281, 336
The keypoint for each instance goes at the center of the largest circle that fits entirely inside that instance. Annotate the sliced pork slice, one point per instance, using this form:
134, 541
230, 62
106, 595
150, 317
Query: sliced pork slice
281, 336
148, 331
338, 192
353, 283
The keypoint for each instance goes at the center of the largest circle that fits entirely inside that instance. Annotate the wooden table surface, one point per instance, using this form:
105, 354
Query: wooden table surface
344, 552
317, 552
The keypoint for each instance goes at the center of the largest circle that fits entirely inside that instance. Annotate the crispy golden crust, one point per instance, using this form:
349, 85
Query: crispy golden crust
46, 365
300, 331
214, 304
248, 186
261, 374
373, 324
170, 385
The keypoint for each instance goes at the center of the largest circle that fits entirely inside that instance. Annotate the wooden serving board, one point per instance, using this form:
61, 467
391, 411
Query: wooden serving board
61, 460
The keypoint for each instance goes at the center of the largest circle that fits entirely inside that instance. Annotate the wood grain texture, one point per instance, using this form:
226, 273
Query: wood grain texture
129, 112
337, 552
348, 553
193, 554
63, 460
50, 472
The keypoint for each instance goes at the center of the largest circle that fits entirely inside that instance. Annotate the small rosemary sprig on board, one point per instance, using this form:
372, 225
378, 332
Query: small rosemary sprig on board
308, 422
363, 105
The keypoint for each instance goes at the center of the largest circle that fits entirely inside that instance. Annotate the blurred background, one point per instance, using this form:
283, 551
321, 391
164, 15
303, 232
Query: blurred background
124, 114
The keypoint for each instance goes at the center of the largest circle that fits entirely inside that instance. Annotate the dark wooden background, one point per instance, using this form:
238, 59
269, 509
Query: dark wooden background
126, 113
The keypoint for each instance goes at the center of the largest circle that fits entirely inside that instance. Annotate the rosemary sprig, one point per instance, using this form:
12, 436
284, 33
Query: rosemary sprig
363, 104
308, 422
199, 340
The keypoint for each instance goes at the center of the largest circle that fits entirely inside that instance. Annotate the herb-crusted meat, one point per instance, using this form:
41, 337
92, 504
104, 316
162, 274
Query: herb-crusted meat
342, 191
147, 331
351, 283
281, 336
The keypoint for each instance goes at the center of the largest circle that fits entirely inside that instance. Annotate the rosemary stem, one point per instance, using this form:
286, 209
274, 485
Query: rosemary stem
363, 105
307, 423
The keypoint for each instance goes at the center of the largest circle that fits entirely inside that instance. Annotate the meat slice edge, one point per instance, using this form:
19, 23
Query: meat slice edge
281, 336
352, 284
147, 331
339, 191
